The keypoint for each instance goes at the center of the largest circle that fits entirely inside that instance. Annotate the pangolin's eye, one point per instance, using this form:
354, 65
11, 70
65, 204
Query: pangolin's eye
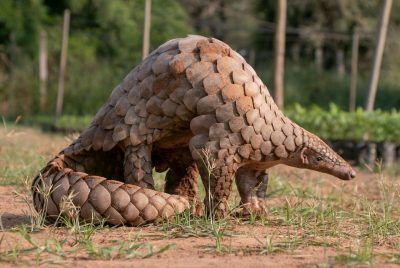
319, 158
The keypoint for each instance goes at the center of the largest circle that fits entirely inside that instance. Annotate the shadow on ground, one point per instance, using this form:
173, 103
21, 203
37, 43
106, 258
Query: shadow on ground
10, 220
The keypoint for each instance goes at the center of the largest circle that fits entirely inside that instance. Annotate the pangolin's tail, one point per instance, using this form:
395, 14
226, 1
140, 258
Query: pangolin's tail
97, 198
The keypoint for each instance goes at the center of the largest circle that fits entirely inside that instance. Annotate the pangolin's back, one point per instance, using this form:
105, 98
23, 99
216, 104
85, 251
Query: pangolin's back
181, 79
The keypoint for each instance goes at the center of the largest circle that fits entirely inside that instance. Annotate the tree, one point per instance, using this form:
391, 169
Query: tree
105, 43
234, 22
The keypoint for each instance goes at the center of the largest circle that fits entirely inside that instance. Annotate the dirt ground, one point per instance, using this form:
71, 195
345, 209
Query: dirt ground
185, 252
314, 220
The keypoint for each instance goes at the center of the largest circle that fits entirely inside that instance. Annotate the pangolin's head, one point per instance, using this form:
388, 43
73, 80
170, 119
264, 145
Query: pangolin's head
317, 155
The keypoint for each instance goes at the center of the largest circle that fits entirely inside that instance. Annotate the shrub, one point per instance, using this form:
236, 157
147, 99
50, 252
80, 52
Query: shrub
336, 124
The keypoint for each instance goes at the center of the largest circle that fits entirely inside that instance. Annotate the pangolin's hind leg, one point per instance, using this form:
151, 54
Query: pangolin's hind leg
182, 175
108, 164
252, 186
138, 166
183, 180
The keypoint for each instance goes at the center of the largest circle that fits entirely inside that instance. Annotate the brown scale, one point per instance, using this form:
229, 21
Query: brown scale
190, 98
100, 198
182, 175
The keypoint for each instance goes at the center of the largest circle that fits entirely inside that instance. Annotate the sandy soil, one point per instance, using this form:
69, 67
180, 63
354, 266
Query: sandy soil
243, 244
185, 252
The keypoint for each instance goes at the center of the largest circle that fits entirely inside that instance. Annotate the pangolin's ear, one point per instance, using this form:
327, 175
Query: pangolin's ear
303, 156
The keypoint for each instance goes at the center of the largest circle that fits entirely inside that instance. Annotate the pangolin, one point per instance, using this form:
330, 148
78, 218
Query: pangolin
196, 107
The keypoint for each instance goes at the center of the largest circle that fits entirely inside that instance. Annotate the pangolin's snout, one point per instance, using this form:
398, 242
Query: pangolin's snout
347, 174
344, 172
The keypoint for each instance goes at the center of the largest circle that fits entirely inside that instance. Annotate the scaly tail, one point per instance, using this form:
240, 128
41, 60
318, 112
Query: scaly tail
98, 198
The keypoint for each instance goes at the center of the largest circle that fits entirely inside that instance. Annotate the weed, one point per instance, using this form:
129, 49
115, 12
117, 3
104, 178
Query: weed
357, 220
217, 230
19, 158
84, 245
9, 255
269, 245
364, 254
394, 258
123, 250
37, 218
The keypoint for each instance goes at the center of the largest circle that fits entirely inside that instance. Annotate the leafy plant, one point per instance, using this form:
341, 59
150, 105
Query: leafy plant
336, 124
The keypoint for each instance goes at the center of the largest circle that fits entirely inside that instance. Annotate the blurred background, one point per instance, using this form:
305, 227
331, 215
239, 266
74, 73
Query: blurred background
105, 42
328, 49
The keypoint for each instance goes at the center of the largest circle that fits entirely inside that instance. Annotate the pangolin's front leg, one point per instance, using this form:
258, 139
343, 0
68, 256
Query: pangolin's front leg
218, 186
252, 186
217, 170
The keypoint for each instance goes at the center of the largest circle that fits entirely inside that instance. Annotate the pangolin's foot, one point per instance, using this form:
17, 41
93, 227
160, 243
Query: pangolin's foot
219, 209
254, 206
197, 208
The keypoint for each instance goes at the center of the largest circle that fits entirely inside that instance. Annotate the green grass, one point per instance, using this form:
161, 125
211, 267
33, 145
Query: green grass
60, 250
19, 159
362, 255
359, 222
354, 222
76, 239
64, 122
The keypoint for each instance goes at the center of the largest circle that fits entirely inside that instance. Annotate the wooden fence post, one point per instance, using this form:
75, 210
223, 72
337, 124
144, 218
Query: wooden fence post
146, 29
12, 111
380, 44
63, 63
43, 73
319, 57
354, 71
340, 66
279, 54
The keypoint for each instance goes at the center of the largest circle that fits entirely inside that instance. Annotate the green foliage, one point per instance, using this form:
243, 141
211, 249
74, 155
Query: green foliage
19, 24
105, 42
331, 124
64, 122
234, 22
306, 86
336, 124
